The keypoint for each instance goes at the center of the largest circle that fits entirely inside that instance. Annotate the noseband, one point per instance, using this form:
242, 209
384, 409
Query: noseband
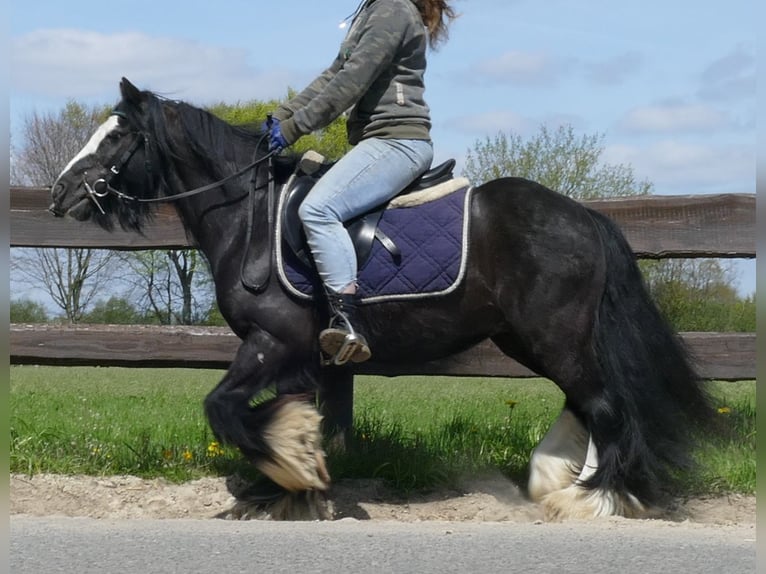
102, 188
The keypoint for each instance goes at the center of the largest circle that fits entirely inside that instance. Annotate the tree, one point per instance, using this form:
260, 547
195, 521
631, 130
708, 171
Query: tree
51, 140
557, 159
697, 295
214, 318
70, 276
171, 287
113, 311
28, 311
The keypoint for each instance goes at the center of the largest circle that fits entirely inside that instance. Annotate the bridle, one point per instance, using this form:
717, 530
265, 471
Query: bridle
101, 188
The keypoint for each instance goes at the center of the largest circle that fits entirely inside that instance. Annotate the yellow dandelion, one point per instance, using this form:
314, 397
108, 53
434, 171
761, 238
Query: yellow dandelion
187, 455
511, 403
214, 449
724, 410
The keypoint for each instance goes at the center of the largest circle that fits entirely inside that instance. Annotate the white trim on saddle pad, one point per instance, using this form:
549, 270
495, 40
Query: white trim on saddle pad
418, 198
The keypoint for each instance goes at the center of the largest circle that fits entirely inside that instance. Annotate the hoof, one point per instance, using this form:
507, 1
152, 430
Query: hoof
577, 503
294, 439
293, 506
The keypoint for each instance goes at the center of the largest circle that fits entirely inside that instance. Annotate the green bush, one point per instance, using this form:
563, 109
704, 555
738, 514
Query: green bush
689, 309
331, 141
28, 311
114, 311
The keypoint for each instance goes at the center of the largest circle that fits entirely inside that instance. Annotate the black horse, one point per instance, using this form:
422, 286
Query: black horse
552, 283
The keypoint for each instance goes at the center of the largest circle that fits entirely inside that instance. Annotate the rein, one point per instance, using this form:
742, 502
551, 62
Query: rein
101, 187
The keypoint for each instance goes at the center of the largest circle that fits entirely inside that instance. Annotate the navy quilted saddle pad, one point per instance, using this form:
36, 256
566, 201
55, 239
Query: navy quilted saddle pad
432, 238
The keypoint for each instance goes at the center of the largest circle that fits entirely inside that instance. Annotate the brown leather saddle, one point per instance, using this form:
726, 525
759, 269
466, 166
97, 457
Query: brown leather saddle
363, 229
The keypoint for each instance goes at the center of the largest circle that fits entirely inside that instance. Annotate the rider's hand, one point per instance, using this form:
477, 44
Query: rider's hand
277, 141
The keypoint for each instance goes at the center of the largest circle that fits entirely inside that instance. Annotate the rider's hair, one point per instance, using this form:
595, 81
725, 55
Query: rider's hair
437, 15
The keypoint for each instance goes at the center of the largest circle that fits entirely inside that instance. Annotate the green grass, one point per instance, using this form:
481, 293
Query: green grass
414, 432
112, 421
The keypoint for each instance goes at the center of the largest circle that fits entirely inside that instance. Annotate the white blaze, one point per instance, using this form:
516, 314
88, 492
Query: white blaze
94, 141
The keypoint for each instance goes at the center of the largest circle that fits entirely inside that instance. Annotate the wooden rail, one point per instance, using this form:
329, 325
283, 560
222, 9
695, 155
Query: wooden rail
725, 356
656, 227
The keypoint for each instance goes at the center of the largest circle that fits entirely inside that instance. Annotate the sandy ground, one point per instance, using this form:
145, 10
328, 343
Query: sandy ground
479, 500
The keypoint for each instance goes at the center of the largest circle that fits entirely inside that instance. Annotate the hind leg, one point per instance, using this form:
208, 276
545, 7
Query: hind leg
578, 469
600, 487
557, 461
561, 465
597, 486
336, 404
578, 501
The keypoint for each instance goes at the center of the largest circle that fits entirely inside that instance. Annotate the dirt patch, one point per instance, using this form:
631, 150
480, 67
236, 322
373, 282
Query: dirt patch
479, 500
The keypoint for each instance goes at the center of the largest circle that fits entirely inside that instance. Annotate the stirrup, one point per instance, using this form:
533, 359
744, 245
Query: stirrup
340, 342
340, 346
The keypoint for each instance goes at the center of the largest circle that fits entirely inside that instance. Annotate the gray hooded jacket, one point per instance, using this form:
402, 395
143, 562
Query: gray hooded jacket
378, 74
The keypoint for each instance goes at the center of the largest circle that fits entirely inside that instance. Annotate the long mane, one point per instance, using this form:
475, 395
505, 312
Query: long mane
205, 141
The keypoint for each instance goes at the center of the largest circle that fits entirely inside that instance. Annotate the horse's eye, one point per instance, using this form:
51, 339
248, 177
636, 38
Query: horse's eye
114, 135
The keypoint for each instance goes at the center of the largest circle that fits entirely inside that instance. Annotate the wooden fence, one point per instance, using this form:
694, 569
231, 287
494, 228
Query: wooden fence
656, 227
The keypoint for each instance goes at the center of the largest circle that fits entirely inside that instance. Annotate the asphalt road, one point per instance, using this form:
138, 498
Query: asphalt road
84, 546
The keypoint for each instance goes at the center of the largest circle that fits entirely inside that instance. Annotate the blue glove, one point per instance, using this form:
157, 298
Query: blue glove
277, 141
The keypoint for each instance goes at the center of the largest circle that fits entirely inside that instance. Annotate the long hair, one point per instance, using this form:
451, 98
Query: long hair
437, 15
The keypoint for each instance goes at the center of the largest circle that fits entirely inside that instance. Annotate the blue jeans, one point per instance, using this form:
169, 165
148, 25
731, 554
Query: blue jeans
373, 172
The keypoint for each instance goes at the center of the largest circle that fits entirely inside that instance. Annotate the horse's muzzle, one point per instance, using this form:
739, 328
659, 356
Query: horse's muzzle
55, 210
56, 192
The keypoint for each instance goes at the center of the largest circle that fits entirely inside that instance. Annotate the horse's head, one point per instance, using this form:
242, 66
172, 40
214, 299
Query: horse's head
117, 161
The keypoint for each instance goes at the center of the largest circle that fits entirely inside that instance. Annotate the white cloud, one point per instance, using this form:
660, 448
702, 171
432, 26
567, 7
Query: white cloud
676, 166
673, 117
614, 71
493, 122
731, 77
520, 68
539, 69
489, 123
80, 63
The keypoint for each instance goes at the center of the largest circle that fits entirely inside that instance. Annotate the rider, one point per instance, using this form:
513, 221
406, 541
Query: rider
378, 73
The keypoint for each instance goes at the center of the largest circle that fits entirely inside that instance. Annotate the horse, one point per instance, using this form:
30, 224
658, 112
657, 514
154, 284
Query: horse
552, 283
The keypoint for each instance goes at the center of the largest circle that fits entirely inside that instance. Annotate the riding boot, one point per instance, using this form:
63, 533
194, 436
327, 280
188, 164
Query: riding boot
341, 342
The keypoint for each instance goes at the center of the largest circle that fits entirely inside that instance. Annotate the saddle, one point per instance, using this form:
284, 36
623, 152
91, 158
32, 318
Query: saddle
363, 229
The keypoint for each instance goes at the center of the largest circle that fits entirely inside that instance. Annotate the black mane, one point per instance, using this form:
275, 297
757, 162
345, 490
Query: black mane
208, 141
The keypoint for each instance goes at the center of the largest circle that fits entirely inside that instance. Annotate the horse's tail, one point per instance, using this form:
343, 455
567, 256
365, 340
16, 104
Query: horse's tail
653, 398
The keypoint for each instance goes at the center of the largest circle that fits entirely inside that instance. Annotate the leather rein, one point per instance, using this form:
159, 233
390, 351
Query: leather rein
102, 188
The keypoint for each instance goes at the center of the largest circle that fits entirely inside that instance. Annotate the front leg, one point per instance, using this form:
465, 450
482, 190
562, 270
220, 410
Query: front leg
280, 436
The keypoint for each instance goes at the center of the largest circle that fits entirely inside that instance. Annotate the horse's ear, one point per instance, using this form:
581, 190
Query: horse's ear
129, 92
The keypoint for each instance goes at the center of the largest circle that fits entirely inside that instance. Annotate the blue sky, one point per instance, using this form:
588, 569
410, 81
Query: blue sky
669, 83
